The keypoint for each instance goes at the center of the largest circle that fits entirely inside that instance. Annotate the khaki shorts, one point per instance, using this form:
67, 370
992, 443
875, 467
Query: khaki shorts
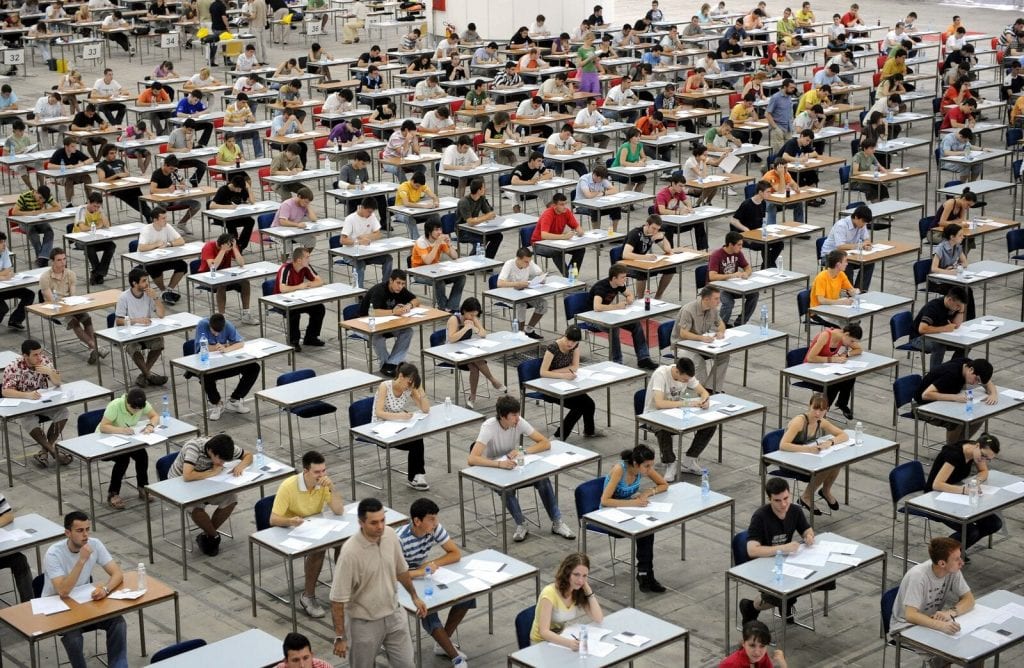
147, 344
30, 422
220, 501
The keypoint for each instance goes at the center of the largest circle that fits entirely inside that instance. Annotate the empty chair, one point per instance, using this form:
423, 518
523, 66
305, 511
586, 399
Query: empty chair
176, 649
307, 411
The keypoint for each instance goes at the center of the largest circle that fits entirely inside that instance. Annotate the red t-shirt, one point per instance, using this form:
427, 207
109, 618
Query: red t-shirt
209, 252
738, 659
553, 223
288, 275
667, 199
848, 19
955, 114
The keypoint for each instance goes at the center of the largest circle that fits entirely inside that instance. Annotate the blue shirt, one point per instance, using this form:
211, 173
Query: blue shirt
780, 108
229, 336
951, 142
824, 77
650, 58
186, 107
844, 232
8, 100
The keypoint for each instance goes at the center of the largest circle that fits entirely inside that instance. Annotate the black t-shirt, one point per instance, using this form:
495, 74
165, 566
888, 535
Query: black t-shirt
367, 58
111, 167
225, 195
218, 16
640, 242
947, 378
792, 147
61, 156
524, 171
157, 10
495, 133
160, 179
750, 214
952, 454
934, 313
276, 5
382, 297
606, 291
767, 529
81, 120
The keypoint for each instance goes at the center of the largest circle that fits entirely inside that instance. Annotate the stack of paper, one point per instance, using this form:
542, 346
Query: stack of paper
48, 605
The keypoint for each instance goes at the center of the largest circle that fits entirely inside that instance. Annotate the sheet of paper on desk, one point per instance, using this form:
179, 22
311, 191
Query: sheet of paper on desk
1016, 395
1016, 488
113, 441
979, 616
990, 637
815, 555
472, 350
387, 429
75, 300
960, 499
1014, 610
989, 490
381, 319
529, 459
82, 593
796, 571
563, 386
8, 535
657, 507
315, 293
708, 416
484, 565
598, 648
563, 459
594, 633
645, 520
490, 577
474, 584
294, 544
239, 480
127, 594
614, 515
151, 439
311, 529
843, 559
561, 243
48, 605
486, 343
633, 639
446, 576
166, 322
9, 402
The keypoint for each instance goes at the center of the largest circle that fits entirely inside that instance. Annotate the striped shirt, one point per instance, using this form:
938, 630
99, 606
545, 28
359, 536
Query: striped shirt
415, 548
5, 506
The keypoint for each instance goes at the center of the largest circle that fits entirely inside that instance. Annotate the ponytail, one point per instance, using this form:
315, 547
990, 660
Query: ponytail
637, 456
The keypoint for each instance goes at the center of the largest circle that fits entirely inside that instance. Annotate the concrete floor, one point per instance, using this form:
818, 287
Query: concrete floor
215, 599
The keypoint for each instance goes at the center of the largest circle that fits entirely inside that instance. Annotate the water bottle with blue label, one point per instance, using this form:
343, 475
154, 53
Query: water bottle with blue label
584, 642
165, 414
204, 352
969, 407
705, 484
780, 559
515, 325
764, 320
428, 583
572, 273
261, 458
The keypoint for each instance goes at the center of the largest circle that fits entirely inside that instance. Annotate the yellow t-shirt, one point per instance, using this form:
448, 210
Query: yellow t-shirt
409, 193
86, 219
805, 16
294, 500
226, 156
560, 614
740, 113
892, 67
808, 100
828, 287
1018, 109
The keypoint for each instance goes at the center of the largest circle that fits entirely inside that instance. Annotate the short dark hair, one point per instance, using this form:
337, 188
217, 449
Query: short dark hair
221, 445
398, 275
987, 440
135, 398
74, 516
524, 252
732, 237
420, 508
775, 486
312, 457
136, 275
507, 404
368, 505
685, 365
757, 631
573, 333
855, 330
29, 345
834, 258
941, 547
958, 293
863, 212
217, 322
981, 367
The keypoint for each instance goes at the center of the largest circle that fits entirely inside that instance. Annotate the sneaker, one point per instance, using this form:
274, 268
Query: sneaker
312, 606
562, 529
648, 364
648, 584
141, 380
249, 319
20, 326
167, 298
671, 472
131, 52
93, 356
748, 612
535, 335
237, 406
732, 192
316, 343
520, 534
216, 411
419, 481
440, 652
692, 467
460, 661
157, 379
469, 403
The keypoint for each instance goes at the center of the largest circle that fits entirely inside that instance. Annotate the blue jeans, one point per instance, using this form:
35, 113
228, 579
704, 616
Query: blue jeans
385, 261
257, 143
937, 351
797, 209
403, 339
117, 643
639, 342
728, 300
452, 301
399, 171
41, 238
547, 497
432, 622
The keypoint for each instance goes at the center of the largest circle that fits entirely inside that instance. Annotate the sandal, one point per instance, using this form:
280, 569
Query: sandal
41, 459
64, 458
116, 502
144, 495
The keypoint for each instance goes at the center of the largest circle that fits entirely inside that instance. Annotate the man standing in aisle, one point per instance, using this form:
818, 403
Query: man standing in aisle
364, 607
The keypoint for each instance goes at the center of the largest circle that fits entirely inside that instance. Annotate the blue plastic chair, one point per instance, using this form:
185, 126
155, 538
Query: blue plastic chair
524, 625
313, 409
902, 324
906, 479
1014, 244
886, 604
903, 390
771, 442
587, 497
177, 649
665, 338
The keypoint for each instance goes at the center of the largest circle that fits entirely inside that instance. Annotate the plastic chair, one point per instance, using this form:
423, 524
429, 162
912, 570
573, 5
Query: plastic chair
526, 236
576, 303
492, 284
906, 479
348, 313
526, 371
587, 497
524, 626
665, 338
903, 389
639, 401
902, 324
771, 442
793, 358
313, 409
176, 649
615, 253
886, 604
803, 307
700, 276
264, 221
1015, 243
921, 270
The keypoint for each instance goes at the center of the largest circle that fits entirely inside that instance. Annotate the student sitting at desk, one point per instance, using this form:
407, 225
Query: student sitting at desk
137, 306
34, 202
429, 249
812, 432
568, 598
950, 473
166, 179
59, 282
121, 417
157, 235
23, 378
390, 297
201, 458
949, 382
394, 399
753, 653
297, 274
465, 325
223, 253
605, 296
561, 361
231, 195
496, 447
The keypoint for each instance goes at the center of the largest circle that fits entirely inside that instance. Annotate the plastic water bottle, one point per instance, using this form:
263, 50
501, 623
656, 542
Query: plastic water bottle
764, 320
779, 265
584, 642
204, 352
647, 299
969, 407
960, 272
371, 319
140, 577
515, 325
520, 458
974, 491
359, 184
261, 458
428, 583
876, 171
213, 271
92, 227
858, 437
63, 168
777, 570
705, 484
856, 302
448, 409
572, 273
165, 414
764, 233
480, 251
967, 150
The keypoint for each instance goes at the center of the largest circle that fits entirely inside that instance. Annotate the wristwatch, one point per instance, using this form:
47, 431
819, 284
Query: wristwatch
339, 637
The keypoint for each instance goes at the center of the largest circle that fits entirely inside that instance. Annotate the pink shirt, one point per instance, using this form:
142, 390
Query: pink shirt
291, 210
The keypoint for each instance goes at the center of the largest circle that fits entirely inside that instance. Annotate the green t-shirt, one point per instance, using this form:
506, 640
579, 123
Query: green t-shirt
864, 162
476, 99
632, 154
117, 413
583, 53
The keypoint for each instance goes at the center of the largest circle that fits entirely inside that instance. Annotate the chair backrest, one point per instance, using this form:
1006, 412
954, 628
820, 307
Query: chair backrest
261, 511
504, 180
749, 190
177, 648
803, 303
844, 174
700, 276
133, 245
163, 465
448, 222
350, 311
295, 376
528, 370
334, 241
193, 266
89, 420
588, 496
771, 441
492, 281
188, 348
901, 324
665, 334
819, 243
905, 479
904, 387
885, 605
739, 548
795, 356
577, 302
854, 146
438, 337
268, 286
37, 585
264, 220
616, 253
524, 625
525, 235
921, 270
1014, 241
360, 412
639, 399
1013, 136
925, 224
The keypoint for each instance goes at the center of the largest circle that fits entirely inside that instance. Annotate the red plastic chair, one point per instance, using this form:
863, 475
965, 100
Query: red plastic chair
263, 173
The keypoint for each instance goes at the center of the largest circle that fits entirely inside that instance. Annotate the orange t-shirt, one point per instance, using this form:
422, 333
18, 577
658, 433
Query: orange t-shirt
419, 254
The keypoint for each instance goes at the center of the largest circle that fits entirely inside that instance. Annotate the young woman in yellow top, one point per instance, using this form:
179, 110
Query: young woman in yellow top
564, 600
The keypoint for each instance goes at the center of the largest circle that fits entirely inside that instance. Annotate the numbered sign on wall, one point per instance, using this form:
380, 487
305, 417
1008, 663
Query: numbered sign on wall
92, 52
314, 28
14, 56
169, 40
